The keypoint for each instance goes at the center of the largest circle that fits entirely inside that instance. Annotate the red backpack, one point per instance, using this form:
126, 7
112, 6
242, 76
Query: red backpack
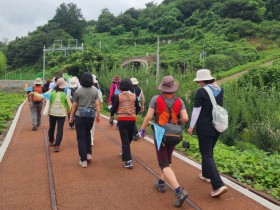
162, 112
167, 114
37, 89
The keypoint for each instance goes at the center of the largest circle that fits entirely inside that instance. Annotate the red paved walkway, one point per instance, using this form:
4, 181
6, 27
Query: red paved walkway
104, 184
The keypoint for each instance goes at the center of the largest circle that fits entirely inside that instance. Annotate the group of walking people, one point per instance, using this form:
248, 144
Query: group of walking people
126, 100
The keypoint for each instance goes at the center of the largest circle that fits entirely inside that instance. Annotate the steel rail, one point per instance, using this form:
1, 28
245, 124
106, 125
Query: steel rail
50, 173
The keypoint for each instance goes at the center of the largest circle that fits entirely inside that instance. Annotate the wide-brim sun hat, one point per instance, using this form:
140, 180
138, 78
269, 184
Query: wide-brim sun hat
168, 85
203, 75
61, 83
38, 81
94, 79
134, 81
116, 79
73, 82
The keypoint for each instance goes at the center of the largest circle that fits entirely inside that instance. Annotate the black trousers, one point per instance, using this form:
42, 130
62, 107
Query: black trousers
53, 120
83, 127
209, 168
126, 129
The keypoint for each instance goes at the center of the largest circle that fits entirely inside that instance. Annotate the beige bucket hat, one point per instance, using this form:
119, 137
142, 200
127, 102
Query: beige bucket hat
134, 81
61, 83
38, 81
203, 75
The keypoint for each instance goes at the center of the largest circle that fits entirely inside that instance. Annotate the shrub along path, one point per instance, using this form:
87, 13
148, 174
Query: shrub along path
28, 182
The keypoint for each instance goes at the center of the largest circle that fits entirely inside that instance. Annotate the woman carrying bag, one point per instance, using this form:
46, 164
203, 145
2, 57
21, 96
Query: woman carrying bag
207, 134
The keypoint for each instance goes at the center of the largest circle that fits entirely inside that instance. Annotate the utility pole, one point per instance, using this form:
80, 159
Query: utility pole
203, 56
60, 48
157, 67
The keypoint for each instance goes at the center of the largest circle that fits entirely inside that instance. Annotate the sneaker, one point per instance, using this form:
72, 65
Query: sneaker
34, 128
136, 137
51, 143
128, 164
111, 123
204, 178
83, 164
180, 197
56, 149
218, 192
89, 157
160, 187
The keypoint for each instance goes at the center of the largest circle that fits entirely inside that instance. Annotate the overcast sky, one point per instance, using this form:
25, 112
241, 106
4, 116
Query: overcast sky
18, 17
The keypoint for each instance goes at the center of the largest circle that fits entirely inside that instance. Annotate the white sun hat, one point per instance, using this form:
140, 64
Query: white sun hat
203, 75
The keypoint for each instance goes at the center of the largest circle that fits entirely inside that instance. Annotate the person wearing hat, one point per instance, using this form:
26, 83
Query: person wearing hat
100, 98
141, 98
60, 106
113, 92
159, 108
73, 86
206, 133
36, 102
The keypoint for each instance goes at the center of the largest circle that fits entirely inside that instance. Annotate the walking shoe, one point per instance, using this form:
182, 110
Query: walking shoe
136, 137
51, 143
203, 178
128, 164
56, 149
34, 128
83, 164
89, 157
160, 187
111, 123
180, 197
218, 192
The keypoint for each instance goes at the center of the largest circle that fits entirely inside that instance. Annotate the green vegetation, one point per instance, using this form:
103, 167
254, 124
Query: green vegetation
245, 163
8, 103
226, 37
205, 33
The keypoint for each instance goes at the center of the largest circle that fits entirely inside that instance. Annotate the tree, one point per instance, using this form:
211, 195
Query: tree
134, 13
273, 10
167, 23
244, 9
28, 50
71, 19
127, 21
105, 22
119, 29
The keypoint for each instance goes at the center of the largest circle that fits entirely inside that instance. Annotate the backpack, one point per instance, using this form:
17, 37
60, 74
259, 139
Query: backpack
37, 89
219, 114
173, 132
72, 92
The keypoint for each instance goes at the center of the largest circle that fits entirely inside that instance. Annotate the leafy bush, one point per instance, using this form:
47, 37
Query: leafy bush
254, 113
249, 165
8, 103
